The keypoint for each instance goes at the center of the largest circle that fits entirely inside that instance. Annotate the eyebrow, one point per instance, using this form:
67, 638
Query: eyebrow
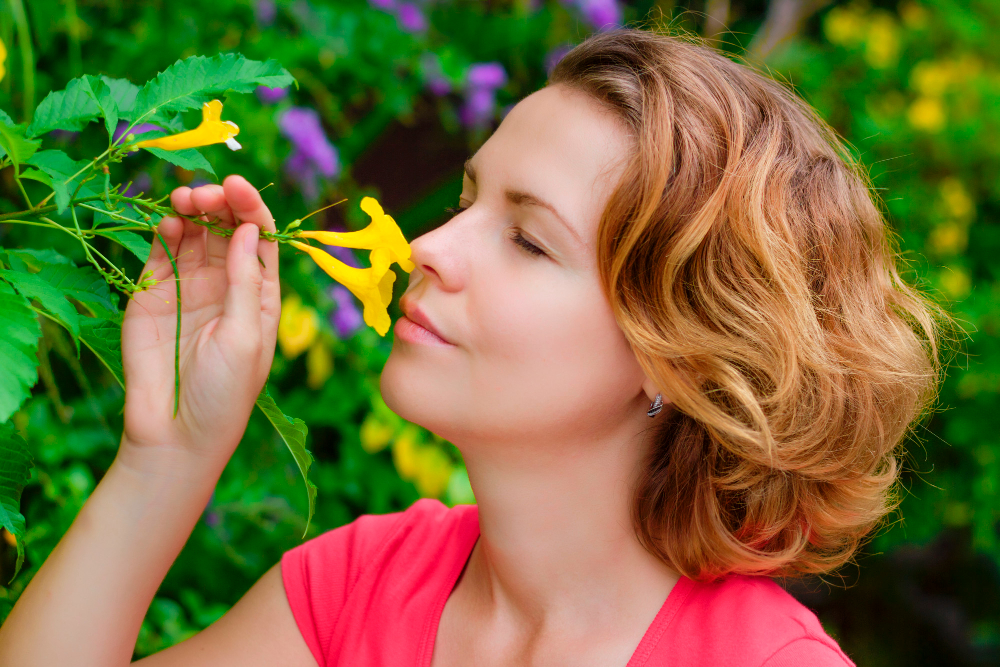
521, 198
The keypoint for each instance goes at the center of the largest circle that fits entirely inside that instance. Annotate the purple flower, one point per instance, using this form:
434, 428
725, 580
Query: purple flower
345, 318
439, 85
265, 11
345, 255
479, 108
486, 75
555, 55
313, 154
410, 18
269, 95
137, 130
602, 14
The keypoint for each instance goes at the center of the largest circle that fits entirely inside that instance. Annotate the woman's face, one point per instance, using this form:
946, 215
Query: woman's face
528, 347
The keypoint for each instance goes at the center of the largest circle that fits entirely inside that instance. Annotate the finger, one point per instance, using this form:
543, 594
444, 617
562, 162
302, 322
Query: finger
190, 252
171, 229
248, 206
212, 200
240, 326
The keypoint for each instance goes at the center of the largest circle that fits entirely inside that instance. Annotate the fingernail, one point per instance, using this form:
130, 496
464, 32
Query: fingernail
250, 240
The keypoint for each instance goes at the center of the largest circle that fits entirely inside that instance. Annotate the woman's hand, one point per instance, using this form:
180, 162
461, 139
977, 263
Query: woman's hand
230, 306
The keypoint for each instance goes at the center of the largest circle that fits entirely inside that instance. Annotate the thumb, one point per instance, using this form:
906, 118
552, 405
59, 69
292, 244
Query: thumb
241, 310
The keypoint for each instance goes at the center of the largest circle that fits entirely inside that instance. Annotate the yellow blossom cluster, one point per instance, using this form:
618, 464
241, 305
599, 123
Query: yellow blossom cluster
372, 286
418, 457
950, 237
877, 31
931, 80
298, 332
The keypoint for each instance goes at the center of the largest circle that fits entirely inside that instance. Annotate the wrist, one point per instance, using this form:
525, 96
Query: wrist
175, 465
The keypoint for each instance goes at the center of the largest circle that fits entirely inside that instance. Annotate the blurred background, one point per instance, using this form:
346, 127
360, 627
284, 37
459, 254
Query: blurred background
393, 95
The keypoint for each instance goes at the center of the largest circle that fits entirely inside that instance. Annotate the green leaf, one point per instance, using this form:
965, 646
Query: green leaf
5, 119
188, 158
104, 214
189, 83
33, 286
104, 338
293, 432
13, 143
64, 174
83, 284
134, 243
106, 103
37, 258
15, 470
19, 334
69, 109
123, 92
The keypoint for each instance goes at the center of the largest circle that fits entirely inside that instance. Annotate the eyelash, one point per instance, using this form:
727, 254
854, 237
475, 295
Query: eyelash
516, 237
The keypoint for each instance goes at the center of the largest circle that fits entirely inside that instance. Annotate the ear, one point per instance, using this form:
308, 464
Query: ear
651, 391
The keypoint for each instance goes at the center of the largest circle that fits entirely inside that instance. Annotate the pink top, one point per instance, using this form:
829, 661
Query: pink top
370, 594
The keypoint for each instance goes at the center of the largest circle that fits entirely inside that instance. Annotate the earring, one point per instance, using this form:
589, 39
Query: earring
655, 406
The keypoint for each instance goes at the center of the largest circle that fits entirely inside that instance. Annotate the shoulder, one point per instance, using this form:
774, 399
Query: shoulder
345, 552
372, 564
750, 621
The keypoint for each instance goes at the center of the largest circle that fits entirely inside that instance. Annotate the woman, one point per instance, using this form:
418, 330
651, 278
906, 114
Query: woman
665, 330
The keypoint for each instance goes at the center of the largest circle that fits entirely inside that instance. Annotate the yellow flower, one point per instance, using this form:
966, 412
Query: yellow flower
956, 198
948, 239
3, 60
432, 471
382, 232
914, 16
927, 113
882, 44
212, 130
373, 287
9, 537
404, 453
297, 327
930, 77
319, 364
845, 26
375, 434
955, 282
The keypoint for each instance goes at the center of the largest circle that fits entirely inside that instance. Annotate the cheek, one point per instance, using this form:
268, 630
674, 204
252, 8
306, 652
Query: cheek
552, 349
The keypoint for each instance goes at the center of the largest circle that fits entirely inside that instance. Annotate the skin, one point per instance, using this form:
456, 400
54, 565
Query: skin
536, 385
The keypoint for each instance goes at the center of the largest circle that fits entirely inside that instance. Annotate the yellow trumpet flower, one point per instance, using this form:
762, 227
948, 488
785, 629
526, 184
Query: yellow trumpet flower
382, 232
212, 130
373, 286
3, 60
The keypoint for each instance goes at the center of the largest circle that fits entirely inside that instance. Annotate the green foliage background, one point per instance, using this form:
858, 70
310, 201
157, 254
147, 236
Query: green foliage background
913, 86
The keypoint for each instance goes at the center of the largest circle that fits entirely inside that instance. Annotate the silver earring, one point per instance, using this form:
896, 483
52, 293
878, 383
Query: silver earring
655, 406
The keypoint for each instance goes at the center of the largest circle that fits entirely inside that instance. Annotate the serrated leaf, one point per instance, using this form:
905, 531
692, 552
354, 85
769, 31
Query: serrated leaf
123, 92
19, 334
189, 83
188, 158
69, 109
104, 338
293, 432
33, 286
14, 144
83, 284
5, 119
15, 471
106, 103
64, 172
134, 243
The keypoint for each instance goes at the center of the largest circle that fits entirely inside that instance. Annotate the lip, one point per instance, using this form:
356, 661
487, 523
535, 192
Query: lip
416, 327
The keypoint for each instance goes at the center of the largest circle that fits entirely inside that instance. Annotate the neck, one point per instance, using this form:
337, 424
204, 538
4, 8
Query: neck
556, 536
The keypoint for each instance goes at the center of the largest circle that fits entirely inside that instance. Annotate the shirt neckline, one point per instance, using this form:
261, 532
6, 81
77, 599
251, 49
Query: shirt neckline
469, 535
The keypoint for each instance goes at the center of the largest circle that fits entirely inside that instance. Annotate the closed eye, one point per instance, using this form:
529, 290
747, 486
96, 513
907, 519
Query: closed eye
516, 236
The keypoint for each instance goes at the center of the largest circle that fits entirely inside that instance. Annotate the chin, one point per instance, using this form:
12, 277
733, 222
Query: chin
412, 392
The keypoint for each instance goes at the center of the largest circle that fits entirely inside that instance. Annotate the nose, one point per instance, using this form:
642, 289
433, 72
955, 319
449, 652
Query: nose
441, 256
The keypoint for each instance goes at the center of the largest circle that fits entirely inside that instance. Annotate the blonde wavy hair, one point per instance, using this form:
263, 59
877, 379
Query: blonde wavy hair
753, 274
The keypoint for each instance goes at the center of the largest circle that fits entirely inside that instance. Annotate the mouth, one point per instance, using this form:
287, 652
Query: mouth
416, 327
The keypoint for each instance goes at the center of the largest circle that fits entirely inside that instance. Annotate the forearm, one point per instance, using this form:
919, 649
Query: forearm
86, 604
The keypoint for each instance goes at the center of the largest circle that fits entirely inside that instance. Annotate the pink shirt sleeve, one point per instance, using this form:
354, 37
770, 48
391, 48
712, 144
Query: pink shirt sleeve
807, 651
318, 575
